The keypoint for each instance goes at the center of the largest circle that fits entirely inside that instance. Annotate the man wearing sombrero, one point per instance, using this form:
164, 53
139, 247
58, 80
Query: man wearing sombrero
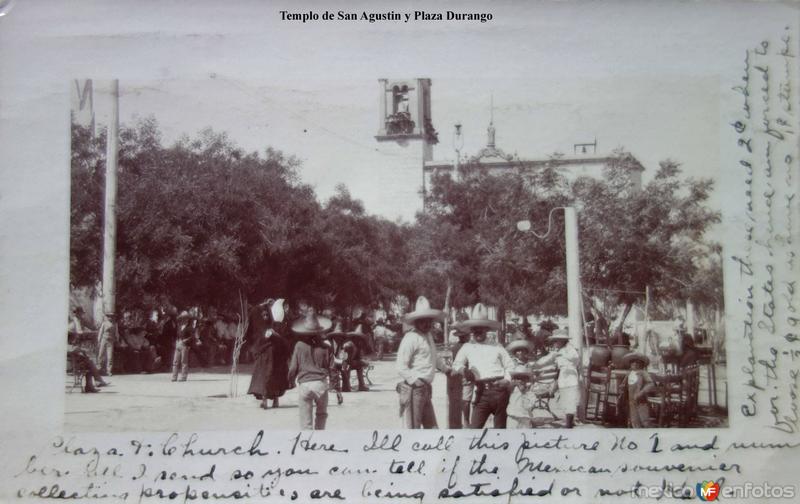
310, 366
417, 362
338, 359
491, 366
356, 339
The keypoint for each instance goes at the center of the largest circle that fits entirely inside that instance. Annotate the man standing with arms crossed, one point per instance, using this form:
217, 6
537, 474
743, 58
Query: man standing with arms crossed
417, 363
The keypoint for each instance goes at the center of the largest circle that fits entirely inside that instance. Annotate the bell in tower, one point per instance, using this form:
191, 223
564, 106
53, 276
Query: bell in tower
405, 111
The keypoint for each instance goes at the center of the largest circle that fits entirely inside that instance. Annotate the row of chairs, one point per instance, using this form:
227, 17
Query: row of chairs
675, 401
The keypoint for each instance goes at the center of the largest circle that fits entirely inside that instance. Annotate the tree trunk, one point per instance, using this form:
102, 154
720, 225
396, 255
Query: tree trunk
501, 317
446, 324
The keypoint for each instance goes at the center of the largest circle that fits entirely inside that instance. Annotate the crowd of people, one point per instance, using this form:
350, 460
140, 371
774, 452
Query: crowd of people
135, 344
534, 371
485, 379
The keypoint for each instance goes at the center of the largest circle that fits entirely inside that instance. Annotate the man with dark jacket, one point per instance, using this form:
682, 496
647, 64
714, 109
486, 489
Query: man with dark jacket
183, 342
169, 333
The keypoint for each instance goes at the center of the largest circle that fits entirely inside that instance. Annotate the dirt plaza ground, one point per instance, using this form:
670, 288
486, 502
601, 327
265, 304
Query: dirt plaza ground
151, 402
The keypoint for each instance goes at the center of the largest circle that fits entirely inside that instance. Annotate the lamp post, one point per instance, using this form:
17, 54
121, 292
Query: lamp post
573, 282
573, 271
110, 213
458, 144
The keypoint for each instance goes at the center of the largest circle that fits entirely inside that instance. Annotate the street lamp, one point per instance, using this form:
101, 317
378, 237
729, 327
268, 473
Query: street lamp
458, 144
573, 268
574, 311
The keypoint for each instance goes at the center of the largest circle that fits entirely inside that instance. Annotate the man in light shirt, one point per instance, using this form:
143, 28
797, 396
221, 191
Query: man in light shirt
416, 363
106, 338
490, 365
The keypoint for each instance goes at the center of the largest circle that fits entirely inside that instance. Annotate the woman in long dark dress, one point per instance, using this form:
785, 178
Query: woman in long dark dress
270, 374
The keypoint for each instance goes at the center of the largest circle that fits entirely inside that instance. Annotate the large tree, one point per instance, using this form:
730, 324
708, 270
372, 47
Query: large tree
86, 206
202, 220
467, 239
629, 239
654, 237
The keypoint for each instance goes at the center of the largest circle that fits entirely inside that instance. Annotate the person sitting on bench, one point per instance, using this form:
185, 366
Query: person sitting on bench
84, 364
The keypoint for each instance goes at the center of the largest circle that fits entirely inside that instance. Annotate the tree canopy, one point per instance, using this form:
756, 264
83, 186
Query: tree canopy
202, 220
629, 239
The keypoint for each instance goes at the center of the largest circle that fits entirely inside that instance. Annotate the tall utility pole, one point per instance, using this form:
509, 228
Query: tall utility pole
110, 213
573, 277
574, 301
458, 144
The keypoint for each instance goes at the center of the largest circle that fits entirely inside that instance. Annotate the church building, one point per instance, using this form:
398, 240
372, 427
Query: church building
405, 128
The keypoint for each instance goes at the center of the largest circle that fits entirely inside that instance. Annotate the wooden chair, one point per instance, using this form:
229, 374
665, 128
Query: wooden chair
691, 391
367, 367
669, 399
597, 383
545, 380
77, 371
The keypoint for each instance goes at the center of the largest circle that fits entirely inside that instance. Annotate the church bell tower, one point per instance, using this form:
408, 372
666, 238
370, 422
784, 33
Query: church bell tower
405, 113
406, 134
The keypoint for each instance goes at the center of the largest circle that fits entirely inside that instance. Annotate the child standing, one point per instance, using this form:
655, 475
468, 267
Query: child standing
637, 385
523, 396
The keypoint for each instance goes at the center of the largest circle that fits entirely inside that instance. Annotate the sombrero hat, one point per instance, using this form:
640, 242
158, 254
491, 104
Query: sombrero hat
278, 310
479, 318
422, 310
558, 335
358, 332
338, 330
311, 324
626, 361
517, 344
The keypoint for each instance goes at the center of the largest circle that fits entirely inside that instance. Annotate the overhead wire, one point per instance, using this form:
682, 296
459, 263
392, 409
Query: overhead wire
308, 122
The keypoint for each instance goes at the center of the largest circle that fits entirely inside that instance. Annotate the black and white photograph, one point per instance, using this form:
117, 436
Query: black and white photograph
392, 251
395, 253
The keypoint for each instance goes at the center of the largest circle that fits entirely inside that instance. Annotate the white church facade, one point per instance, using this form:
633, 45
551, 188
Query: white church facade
407, 135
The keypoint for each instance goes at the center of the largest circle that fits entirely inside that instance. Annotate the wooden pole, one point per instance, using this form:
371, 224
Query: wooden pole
110, 213
574, 299
690, 313
645, 338
454, 382
446, 323
573, 276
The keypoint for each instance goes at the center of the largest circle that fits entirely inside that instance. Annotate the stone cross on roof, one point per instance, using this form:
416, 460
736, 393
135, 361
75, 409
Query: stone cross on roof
491, 151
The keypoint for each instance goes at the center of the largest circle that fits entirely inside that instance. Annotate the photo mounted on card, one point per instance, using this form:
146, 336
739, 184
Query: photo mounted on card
395, 253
